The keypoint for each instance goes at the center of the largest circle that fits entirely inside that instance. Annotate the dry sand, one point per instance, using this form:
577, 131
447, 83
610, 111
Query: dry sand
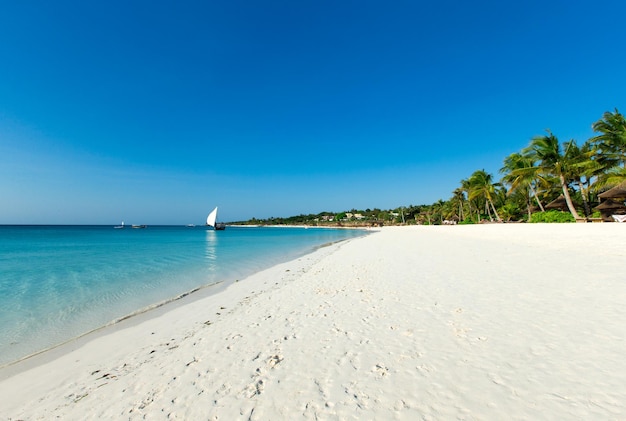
487, 322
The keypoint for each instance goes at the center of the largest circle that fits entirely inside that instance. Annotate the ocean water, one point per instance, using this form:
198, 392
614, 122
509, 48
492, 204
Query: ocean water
59, 282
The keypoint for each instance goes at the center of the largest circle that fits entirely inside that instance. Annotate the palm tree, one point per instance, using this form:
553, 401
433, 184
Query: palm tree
612, 138
584, 166
481, 185
466, 188
458, 199
551, 160
611, 177
521, 173
449, 211
437, 211
515, 204
611, 145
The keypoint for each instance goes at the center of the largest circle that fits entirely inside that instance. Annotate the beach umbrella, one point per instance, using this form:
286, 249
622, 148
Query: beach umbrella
616, 192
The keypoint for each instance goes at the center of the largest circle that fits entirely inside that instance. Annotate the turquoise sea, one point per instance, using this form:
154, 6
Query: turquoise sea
59, 282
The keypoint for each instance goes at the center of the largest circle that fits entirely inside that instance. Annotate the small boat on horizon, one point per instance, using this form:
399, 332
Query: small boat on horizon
211, 221
119, 226
139, 226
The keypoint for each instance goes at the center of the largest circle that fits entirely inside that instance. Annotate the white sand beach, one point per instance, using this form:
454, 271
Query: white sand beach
485, 322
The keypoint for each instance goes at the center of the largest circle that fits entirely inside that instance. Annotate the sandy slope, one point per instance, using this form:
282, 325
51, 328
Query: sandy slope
454, 322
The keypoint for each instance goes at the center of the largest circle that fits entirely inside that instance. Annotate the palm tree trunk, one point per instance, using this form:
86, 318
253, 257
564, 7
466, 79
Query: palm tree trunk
584, 196
495, 211
537, 198
568, 198
477, 215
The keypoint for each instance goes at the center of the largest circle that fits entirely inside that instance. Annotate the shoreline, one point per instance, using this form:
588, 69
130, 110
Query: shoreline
49, 338
409, 322
138, 316
48, 354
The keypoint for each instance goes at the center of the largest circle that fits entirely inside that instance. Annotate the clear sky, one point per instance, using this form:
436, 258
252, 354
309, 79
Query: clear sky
154, 112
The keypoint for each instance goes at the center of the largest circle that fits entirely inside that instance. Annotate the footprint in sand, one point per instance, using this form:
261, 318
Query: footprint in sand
381, 370
274, 360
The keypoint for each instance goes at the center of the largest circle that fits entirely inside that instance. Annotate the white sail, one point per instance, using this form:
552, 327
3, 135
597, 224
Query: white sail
210, 220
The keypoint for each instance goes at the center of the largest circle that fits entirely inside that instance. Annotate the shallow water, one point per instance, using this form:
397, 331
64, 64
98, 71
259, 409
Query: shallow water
58, 282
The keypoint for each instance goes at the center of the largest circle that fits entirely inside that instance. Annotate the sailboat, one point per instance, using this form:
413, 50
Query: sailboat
211, 221
119, 226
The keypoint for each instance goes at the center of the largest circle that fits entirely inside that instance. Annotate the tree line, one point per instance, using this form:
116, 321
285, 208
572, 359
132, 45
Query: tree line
545, 170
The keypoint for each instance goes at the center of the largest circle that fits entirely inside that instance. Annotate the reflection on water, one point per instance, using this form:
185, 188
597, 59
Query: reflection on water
210, 249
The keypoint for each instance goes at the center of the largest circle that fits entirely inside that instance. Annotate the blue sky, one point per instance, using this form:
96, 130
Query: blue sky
154, 112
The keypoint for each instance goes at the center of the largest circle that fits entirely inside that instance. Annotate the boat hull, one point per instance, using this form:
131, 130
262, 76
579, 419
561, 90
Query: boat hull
218, 226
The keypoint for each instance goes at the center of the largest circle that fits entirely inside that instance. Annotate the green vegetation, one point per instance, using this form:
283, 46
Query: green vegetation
552, 216
532, 179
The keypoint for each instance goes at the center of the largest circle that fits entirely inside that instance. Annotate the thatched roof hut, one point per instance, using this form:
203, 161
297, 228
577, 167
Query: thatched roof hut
611, 207
618, 191
558, 203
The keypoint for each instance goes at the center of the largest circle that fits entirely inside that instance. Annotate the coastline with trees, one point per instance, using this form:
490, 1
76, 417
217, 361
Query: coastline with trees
548, 181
